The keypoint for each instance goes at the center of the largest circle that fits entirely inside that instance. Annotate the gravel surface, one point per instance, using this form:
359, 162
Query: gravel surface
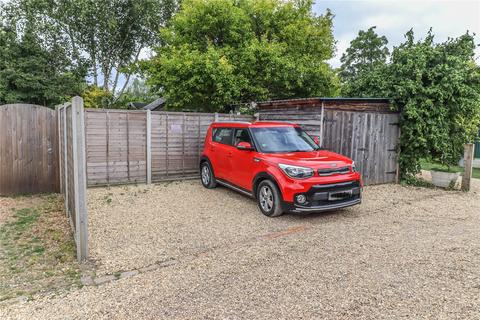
405, 252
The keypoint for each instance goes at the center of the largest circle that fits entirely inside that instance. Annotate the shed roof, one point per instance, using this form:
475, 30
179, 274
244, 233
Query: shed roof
357, 104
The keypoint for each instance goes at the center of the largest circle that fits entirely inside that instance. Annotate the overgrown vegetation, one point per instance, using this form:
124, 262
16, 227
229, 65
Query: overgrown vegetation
435, 86
37, 251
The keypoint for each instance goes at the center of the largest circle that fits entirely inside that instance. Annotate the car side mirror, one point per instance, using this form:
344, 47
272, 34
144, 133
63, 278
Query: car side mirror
316, 140
246, 146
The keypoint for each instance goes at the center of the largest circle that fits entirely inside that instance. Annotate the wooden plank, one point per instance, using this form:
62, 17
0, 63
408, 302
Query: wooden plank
468, 166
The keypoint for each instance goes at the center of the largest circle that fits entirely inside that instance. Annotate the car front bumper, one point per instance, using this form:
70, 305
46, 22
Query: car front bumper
327, 197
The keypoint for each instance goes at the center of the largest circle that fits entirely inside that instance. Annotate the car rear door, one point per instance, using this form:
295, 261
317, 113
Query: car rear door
241, 161
221, 150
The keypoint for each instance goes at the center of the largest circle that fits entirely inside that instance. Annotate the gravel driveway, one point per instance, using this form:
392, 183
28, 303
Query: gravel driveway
404, 252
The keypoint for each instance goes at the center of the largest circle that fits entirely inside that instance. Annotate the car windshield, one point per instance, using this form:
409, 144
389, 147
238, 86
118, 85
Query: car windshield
283, 139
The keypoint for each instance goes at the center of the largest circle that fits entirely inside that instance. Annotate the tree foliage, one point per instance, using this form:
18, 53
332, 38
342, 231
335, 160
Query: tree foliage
436, 87
367, 51
35, 67
219, 52
108, 34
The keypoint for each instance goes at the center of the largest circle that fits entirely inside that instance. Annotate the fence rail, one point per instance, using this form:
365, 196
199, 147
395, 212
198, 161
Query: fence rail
71, 153
130, 146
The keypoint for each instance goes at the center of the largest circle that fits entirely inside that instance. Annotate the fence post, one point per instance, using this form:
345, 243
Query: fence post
80, 177
65, 163
468, 166
216, 117
59, 149
149, 147
321, 126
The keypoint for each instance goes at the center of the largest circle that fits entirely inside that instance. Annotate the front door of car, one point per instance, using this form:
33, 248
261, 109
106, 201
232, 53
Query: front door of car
241, 161
221, 150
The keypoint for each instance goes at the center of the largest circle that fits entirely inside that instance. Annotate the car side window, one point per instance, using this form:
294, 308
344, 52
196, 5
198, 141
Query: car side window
223, 135
241, 135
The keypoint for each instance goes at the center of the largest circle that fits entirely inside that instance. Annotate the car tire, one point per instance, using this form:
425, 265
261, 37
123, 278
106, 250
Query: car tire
269, 199
206, 176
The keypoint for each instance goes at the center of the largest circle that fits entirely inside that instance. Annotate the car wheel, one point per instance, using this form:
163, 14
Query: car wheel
269, 199
206, 176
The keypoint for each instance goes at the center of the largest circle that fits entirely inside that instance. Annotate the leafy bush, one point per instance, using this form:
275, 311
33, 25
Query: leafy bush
436, 88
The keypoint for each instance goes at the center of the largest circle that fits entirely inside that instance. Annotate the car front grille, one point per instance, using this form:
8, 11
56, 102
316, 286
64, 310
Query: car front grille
330, 171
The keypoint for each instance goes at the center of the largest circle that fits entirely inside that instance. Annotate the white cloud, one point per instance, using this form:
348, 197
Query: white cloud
394, 18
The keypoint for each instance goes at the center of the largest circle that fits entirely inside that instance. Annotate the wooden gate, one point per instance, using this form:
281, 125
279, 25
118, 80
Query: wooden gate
370, 139
28, 149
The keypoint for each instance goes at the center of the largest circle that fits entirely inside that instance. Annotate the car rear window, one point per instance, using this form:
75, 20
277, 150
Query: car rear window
222, 135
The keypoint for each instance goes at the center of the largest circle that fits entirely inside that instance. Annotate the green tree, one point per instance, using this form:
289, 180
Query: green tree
109, 34
33, 70
363, 64
219, 52
436, 87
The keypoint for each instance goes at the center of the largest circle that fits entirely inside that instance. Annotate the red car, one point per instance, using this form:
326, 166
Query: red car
280, 165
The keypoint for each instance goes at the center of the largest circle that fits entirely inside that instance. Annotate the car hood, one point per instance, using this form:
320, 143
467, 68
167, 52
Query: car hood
313, 159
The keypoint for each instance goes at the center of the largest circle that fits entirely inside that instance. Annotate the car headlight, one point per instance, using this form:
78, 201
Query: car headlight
354, 168
296, 172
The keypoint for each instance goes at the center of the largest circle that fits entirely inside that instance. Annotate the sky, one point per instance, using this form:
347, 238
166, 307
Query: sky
394, 18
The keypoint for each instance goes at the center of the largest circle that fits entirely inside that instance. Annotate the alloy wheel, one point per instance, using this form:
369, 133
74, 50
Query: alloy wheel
205, 175
266, 198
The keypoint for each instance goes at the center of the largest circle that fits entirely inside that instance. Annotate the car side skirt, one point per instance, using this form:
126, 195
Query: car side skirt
234, 187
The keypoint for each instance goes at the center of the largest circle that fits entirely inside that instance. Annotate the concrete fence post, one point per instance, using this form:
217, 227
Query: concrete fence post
79, 178
149, 147
59, 149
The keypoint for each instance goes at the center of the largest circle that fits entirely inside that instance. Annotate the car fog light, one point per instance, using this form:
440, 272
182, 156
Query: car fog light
301, 199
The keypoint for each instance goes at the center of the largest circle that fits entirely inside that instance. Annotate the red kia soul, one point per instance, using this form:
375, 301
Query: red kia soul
280, 165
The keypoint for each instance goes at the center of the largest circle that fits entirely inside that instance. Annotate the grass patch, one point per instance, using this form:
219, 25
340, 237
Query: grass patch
37, 250
429, 165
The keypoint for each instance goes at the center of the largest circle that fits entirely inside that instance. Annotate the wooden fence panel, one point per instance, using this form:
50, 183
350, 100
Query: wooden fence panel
28, 149
116, 146
122, 145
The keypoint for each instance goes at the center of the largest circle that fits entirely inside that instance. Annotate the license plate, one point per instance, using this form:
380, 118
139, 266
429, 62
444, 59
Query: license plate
339, 195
